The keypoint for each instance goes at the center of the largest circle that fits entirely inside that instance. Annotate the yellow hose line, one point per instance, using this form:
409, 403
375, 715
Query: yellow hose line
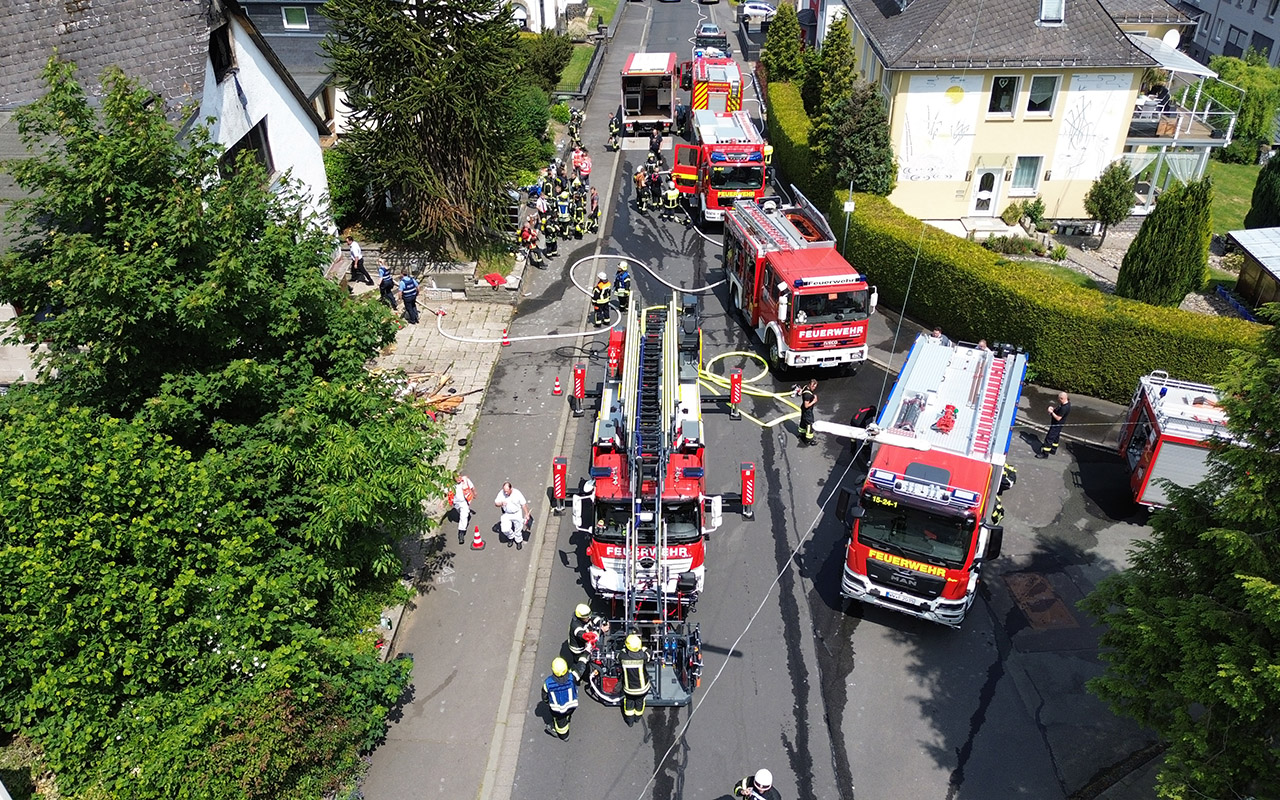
713, 381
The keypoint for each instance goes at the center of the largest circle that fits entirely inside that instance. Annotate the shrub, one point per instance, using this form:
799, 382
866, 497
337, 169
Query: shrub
1082, 341
1170, 255
1035, 210
1059, 253
789, 129
1240, 151
1012, 214
1264, 207
560, 112
546, 55
346, 194
1012, 245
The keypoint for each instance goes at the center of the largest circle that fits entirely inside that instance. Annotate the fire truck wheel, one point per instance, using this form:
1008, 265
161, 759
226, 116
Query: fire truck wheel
776, 362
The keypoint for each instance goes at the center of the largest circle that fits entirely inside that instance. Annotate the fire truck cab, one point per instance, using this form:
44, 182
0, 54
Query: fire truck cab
1167, 433
791, 286
724, 164
648, 92
927, 515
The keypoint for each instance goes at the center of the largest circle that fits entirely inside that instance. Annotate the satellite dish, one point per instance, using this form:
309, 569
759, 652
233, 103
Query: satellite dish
1172, 38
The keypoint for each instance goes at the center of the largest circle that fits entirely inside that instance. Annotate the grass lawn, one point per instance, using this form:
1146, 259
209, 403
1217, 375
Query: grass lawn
1232, 192
1062, 273
571, 78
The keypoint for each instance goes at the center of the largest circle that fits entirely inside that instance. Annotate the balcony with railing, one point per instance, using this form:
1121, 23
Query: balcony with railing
1187, 109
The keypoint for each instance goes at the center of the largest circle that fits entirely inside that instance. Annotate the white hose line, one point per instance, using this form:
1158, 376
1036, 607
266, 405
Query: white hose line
647, 269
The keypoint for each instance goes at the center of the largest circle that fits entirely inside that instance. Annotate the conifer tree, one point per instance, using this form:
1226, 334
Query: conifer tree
782, 56
864, 155
1170, 255
1264, 211
834, 66
1110, 198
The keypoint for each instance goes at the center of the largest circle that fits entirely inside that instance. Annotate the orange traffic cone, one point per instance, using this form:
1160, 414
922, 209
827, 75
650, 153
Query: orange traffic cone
505, 341
556, 388
477, 543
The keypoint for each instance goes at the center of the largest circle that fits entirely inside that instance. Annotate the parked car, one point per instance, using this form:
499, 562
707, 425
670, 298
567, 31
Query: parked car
759, 10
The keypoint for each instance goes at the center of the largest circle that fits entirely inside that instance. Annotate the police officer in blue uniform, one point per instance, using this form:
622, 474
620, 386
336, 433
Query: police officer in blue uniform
409, 294
386, 285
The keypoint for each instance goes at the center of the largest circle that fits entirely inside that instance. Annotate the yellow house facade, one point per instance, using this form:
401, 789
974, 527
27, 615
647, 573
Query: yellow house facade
996, 101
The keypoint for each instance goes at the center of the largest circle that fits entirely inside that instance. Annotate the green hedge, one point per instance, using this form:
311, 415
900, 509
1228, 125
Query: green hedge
789, 128
1079, 340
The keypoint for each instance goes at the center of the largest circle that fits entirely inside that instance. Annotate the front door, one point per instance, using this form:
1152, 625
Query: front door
986, 191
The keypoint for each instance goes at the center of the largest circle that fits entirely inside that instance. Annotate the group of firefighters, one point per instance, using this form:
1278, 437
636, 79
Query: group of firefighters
604, 291
567, 205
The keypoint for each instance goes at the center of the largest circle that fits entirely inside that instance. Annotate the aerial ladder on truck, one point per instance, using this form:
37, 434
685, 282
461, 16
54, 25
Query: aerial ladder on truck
655, 411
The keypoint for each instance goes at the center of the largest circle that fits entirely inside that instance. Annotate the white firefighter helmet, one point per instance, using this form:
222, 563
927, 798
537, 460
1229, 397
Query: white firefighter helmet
602, 276
763, 780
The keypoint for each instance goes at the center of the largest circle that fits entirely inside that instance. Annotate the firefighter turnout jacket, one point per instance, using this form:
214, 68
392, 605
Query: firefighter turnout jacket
601, 295
747, 788
635, 675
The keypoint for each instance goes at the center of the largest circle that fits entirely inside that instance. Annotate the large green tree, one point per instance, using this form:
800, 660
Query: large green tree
433, 89
832, 71
783, 56
1193, 625
1110, 198
1170, 255
1264, 210
861, 149
204, 493
1257, 107
828, 73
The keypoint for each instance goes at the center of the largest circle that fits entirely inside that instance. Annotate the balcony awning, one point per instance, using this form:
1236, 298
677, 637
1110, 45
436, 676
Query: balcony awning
1169, 58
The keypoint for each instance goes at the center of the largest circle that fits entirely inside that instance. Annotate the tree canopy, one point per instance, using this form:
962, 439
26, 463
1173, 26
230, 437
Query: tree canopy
1170, 255
204, 493
1193, 626
862, 152
1110, 198
1264, 209
829, 95
782, 56
1260, 81
434, 92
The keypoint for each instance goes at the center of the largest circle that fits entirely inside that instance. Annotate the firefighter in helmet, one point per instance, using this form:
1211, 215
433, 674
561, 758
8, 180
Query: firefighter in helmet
615, 131
584, 628
758, 786
622, 287
579, 214
635, 678
550, 233
564, 211
641, 180
600, 297
655, 187
671, 202
561, 693
593, 210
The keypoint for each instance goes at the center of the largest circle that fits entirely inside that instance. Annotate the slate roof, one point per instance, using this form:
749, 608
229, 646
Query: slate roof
1145, 11
958, 34
305, 61
163, 43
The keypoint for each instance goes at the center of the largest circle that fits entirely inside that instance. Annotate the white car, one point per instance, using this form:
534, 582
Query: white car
759, 10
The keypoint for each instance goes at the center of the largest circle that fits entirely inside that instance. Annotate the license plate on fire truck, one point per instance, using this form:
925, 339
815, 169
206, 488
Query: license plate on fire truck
901, 597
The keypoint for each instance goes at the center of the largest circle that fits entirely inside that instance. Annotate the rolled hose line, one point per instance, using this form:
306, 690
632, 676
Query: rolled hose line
440, 314
713, 381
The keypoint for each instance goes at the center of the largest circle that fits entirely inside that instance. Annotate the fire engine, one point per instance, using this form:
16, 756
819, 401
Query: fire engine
791, 286
713, 83
927, 515
724, 164
650, 516
1167, 434
648, 92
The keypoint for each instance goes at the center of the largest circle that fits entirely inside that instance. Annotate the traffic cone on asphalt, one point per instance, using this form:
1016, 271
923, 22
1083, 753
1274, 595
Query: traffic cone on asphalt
505, 341
477, 543
556, 388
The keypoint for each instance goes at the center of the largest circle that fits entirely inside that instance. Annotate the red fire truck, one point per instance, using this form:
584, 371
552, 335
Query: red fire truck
1167, 434
648, 92
809, 307
713, 83
724, 164
651, 511
927, 516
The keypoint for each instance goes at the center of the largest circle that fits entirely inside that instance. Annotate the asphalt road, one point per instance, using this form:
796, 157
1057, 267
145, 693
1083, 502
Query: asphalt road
839, 701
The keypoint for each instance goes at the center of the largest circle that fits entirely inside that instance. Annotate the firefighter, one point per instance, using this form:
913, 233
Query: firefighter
671, 202
600, 296
808, 400
579, 215
655, 143
529, 239
655, 188
593, 211
622, 287
641, 180
564, 211
768, 161
584, 169
561, 693
550, 234
615, 133
1057, 416
635, 679
652, 162
584, 628
759, 786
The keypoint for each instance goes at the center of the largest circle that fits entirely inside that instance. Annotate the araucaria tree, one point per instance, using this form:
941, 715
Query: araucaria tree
1193, 626
1264, 211
203, 495
833, 68
433, 88
782, 55
1110, 198
1170, 255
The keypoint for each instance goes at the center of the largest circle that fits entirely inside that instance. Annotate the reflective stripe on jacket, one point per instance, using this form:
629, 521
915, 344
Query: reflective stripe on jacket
561, 693
635, 678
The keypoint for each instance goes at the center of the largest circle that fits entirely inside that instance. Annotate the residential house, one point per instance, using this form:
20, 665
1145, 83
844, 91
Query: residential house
994, 101
295, 29
1231, 27
202, 58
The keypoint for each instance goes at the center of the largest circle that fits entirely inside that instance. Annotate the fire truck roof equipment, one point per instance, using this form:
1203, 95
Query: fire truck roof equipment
1184, 409
650, 64
734, 127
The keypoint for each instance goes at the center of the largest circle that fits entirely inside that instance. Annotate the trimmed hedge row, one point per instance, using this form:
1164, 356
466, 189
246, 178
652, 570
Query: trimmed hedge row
1079, 340
789, 128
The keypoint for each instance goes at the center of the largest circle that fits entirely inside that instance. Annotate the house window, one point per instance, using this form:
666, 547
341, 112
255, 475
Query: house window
1051, 11
1262, 45
254, 141
1026, 175
1004, 90
1043, 89
1237, 41
1217, 31
295, 18
221, 53
1271, 9
1253, 4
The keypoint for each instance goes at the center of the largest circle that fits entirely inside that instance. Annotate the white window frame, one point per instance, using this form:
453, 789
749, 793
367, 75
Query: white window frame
1012, 113
284, 18
1014, 191
1053, 102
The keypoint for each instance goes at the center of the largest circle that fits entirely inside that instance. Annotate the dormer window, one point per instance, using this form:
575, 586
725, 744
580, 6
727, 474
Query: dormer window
221, 54
1052, 12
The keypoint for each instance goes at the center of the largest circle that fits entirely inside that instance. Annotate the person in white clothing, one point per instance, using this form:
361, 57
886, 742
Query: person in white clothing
515, 514
464, 491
